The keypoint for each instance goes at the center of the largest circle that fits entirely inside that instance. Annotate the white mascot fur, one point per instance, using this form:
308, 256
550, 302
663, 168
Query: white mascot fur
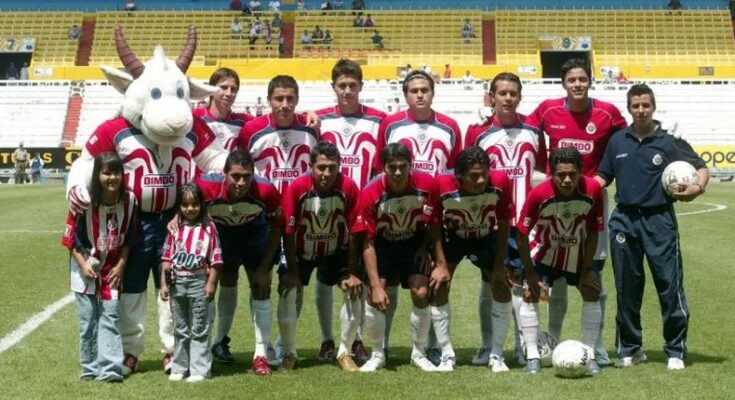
158, 140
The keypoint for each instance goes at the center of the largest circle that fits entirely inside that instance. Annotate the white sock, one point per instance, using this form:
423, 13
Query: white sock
529, 325
591, 316
287, 316
484, 308
324, 297
349, 317
226, 306
516, 293
299, 300
501, 317
557, 307
392, 292
600, 342
420, 323
165, 324
441, 318
262, 314
361, 321
375, 323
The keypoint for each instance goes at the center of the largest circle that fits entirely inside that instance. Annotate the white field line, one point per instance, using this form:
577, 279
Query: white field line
34, 322
716, 207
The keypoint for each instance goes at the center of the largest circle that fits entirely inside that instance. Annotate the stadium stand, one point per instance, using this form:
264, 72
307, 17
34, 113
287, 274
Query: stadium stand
49, 29
33, 113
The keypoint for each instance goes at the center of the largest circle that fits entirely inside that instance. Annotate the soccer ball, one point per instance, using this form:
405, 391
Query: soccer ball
676, 173
546, 344
570, 359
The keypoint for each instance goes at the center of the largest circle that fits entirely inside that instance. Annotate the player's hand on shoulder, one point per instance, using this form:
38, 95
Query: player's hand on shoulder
79, 199
312, 119
483, 115
673, 128
687, 192
173, 226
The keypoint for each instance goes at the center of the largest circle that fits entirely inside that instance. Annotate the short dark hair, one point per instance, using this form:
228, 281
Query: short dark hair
573, 63
639, 90
469, 157
198, 195
238, 157
112, 162
394, 151
346, 67
565, 155
282, 81
223, 73
505, 76
417, 74
326, 149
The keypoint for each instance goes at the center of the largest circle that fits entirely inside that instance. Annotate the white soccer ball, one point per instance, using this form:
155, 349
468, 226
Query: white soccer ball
546, 344
676, 173
570, 359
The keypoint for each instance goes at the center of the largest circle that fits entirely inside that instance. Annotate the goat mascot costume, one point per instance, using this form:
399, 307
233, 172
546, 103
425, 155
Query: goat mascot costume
158, 140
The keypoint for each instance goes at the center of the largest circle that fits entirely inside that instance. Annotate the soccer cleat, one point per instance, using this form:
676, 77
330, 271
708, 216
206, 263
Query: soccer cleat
260, 366
675, 364
533, 366
637, 358
195, 379
359, 351
593, 368
447, 364
168, 361
176, 377
482, 357
497, 364
434, 355
289, 362
603, 360
221, 351
347, 363
519, 356
130, 364
275, 355
326, 352
423, 363
375, 363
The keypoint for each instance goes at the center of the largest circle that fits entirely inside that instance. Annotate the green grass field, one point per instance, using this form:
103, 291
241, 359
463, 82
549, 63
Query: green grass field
44, 365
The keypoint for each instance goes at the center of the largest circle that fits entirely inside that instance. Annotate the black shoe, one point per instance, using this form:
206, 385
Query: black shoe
221, 351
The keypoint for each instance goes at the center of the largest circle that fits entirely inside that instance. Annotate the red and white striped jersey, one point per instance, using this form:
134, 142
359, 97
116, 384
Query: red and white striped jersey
516, 150
321, 222
280, 154
225, 129
435, 143
473, 216
193, 249
356, 137
558, 225
152, 173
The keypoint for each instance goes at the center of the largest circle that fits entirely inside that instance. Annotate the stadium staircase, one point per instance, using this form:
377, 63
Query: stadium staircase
489, 55
84, 52
73, 111
288, 39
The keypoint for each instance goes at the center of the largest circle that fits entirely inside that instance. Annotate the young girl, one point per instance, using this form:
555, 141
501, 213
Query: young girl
191, 259
99, 241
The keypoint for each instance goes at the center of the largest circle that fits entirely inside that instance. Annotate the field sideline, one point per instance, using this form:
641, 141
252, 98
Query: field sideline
44, 364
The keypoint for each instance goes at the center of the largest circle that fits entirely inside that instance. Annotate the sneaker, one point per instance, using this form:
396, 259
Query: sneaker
221, 351
274, 355
520, 356
603, 360
168, 361
176, 377
482, 357
326, 352
447, 364
593, 368
130, 364
289, 362
675, 364
434, 355
260, 366
497, 364
637, 358
195, 379
423, 363
373, 364
533, 366
359, 351
347, 363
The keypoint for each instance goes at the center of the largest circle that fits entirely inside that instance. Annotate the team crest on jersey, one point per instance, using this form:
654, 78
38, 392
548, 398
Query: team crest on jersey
657, 159
428, 210
199, 245
347, 130
179, 244
111, 225
285, 144
291, 221
322, 213
474, 207
509, 142
591, 128
620, 238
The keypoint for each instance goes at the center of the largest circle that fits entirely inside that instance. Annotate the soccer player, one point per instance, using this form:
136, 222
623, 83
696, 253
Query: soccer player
246, 209
396, 215
516, 147
644, 223
586, 124
320, 207
353, 128
562, 217
472, 203
218, 114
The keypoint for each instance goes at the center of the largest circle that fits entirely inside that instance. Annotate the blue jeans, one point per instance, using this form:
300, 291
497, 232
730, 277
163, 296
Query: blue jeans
190, 309
100, 343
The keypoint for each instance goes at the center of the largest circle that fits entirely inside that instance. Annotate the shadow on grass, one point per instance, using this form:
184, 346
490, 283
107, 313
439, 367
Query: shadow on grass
658, 356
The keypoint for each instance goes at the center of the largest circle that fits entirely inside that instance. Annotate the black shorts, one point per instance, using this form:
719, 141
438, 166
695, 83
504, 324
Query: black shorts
549, 275
399, 260
243, 245
329, 270
481, 252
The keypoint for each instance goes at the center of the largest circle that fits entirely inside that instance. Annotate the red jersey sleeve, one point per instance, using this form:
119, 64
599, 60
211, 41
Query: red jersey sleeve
290, 205
379, 146
458, 146
473, 131
529, 214
595, 218
352, 194
366, 220
503, 210
618, 121
204, 135
214, 253
431, 207
70, 229
103, 138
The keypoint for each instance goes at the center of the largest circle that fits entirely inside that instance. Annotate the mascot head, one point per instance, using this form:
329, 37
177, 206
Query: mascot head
157, 94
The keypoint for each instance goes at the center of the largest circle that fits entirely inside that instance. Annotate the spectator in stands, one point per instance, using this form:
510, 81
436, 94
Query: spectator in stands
247, 110
300, 5
268, 35
359, 21
369, 21
236, 29
281, 44
36, 168
621, 78
468, 30
377, 40
396, 104
245, 8
318, 34
328, 39
74, 32
274, 5
447, 72
255, 6
258, 26
609, 78
129, 5
24, 72
338, 4
252, 36
306, 40
674, 5
20, 159
326, 5
259, 107
277, 22
11, 73
358, 4
468, 80
404, 71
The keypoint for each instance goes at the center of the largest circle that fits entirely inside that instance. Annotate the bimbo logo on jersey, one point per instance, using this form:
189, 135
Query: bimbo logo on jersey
513, 171
583, 146
348, 160
285, 173
424, 166
159, 180
564, 240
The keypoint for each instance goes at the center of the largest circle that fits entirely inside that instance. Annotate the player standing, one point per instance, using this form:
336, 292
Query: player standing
562, 217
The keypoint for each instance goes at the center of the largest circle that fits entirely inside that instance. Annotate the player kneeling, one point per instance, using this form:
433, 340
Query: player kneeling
562, 217
472, 202
319, 208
